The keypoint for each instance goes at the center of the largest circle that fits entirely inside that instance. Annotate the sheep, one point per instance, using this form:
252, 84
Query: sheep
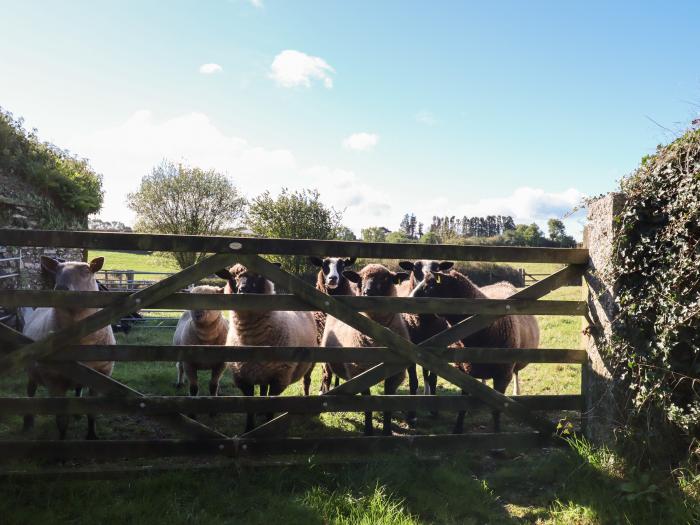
201, 327
330, 280
266, 328
507, 332
75, 276
376, 281
422, 326
529, 329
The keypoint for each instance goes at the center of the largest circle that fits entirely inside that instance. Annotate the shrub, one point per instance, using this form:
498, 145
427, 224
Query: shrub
68, 180
657, 265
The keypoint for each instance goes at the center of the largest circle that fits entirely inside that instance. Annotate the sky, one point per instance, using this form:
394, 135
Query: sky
387, 108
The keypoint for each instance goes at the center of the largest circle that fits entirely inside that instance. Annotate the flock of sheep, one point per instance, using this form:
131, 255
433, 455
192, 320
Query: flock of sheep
296, 329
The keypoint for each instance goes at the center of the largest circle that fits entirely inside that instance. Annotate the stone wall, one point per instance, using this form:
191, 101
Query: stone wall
21, 206
605, 398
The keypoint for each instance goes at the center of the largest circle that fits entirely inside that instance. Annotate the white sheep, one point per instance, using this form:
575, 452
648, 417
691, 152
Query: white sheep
75, 276
265, 328
201, 327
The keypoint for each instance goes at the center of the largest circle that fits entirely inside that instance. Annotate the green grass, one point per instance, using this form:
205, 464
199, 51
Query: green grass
578, 484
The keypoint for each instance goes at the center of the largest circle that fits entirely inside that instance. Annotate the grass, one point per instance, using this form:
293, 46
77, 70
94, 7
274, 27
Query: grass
576, 484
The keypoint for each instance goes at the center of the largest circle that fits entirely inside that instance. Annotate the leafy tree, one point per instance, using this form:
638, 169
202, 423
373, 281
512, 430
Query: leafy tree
557, 233
430, 238
398, 237
175, 198
344, 233
293, 215
374, 234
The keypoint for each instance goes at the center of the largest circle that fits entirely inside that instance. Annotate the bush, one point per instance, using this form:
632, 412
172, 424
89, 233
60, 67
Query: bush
658, 276
69, 181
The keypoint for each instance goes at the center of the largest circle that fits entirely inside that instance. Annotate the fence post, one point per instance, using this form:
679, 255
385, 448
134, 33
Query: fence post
604, 399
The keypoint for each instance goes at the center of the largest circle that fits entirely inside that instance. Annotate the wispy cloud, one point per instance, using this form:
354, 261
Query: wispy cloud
361, 141
256, 3
210, 69
293, 68
425, 117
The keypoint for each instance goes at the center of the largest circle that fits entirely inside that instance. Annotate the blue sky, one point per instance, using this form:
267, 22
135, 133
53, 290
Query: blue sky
455, 107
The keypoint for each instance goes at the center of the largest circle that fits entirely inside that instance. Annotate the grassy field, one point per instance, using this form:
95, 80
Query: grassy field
573, 484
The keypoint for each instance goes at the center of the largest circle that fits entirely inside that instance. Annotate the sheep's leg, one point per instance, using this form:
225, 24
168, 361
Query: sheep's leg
500, 384
459, 423
411, 418
275, 389
368, 418
91, 434
248, 390
193, 380
326, 378
78, 393
430, 386
516, 384
307, 380
390, 387
29, 418
216, 372
180, 374
337, 381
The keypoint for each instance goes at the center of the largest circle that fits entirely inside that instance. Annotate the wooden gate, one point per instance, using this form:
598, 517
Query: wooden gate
17, 351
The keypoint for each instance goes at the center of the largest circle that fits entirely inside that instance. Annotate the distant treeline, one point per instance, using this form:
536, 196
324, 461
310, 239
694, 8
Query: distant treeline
492, 229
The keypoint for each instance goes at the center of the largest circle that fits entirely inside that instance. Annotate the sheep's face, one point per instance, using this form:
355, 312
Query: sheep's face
435, 285
242, 280
74, 276
419, 269
375, 280
206, 316
332, 268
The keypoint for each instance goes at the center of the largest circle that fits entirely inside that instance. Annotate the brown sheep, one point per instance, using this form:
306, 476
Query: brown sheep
75, 276
422, 326
266, 328
330, 280
507, 332
374, 280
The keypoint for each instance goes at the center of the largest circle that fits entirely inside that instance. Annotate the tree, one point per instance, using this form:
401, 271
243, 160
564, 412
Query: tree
557, 233
175, 198
398, 237
374, 234
297, 215
430, 238
344, 233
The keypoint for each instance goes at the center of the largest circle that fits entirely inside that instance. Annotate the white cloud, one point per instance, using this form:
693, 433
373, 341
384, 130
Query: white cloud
210, 69
361, 141
425, 117
293, 68
128, 151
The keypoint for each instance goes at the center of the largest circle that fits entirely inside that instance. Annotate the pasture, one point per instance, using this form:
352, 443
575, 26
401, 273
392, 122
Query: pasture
570, 484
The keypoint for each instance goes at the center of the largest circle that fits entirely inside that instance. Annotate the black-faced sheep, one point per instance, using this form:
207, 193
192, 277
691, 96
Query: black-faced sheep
75, 276
330, 280
374, 280
266, 328
201, 327
422, 326
508, 332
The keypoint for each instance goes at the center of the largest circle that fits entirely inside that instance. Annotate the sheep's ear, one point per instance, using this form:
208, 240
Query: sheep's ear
224, 274
96, 264
350, 261
316, 261
406, 265
445, 265
400, 277
49, 264
351, 276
